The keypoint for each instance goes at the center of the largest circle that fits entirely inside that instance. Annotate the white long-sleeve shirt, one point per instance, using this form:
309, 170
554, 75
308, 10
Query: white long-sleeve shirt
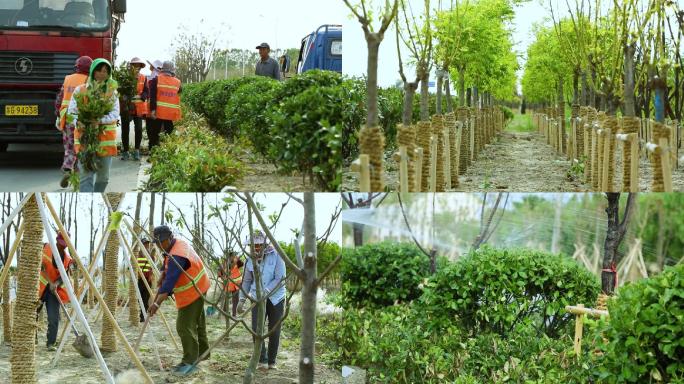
113, 116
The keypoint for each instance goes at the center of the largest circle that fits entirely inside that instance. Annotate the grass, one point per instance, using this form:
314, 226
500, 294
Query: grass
521, 123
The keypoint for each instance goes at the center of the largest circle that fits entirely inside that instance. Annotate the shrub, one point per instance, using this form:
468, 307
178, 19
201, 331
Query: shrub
193, 94
381, 274
354, 116
306, 134
215, 96
508, 114
193, 159
645, 331
391, 107
246, 111
494, 290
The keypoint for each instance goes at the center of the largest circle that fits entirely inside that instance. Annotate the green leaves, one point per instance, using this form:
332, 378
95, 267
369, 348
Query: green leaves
381, 274
496, 290
645, 330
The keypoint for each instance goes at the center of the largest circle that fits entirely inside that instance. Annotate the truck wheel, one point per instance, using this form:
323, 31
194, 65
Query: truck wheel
3, 147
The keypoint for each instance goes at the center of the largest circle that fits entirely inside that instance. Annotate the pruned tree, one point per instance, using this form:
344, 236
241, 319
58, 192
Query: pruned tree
615, 233
193, 54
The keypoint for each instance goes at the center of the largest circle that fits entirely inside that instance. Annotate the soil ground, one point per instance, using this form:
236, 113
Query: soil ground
519, 160
226, 365
264, 177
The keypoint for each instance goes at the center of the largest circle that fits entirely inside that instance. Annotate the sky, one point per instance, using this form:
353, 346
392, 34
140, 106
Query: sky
240, 24
291, 218
355, 46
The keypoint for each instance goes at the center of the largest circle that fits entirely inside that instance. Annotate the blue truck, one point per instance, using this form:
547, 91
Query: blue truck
322, 49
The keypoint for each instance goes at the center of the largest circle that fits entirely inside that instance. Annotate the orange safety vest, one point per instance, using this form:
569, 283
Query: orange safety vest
168, 101
235, 274
184, 291
141, 107
50, 274
69, 86
107, 138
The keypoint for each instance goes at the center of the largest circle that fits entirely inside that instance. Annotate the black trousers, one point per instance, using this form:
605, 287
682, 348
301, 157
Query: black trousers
125, 130
273, 314
145, 294
157, 127
52, 309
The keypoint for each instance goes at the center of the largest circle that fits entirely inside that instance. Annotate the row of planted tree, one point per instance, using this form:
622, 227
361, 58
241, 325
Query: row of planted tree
623, 58
611, 148
431, 154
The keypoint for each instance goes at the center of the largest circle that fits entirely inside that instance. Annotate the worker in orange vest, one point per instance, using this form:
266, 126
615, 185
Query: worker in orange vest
186, 278
79, 77
231, 273
165, 108
51, 279
136, 111
96, 180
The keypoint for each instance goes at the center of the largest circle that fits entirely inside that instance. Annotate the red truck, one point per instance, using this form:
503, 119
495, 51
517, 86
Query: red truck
40, 41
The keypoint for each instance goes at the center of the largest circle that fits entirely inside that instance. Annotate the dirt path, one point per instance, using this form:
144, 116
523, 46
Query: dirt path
264, 177
226, 365
522, 162
519, 161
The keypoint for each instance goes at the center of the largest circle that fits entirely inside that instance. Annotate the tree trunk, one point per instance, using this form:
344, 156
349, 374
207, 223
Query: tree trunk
424, 96
575, 86
409, 94
23, 359
615, 233
440, 81
111, 279
447, 89
261, 309
373, 42
461, 88
469, 98
629, 50
585, 89
309, 292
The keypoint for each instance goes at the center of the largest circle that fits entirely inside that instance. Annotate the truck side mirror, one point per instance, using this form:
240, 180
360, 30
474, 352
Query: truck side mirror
118, 6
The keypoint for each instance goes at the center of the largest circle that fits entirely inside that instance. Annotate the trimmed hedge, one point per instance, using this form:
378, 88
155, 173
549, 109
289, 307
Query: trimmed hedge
645, 331
494, 290
382, 274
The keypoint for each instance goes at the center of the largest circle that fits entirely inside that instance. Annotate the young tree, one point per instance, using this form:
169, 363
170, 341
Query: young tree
364, 14
193, 55
615, 233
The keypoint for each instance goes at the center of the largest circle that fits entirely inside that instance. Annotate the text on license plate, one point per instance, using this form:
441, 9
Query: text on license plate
21, 110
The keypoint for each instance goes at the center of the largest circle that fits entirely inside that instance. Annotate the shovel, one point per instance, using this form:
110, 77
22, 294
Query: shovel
81, 344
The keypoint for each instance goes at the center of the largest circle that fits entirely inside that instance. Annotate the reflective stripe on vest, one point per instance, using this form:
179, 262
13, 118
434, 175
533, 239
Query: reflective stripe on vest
168, 101
141, 107
184, 291
69, 86
143, 264
49, 273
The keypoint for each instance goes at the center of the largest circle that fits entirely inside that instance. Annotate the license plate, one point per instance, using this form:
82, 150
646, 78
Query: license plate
21, 110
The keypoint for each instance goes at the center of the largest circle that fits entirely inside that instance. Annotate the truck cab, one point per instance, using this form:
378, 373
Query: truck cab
322, 49
40, 41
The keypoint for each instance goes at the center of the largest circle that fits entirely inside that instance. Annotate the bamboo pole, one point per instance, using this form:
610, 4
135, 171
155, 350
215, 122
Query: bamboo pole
98, 297
665, 160
579, 327
10, 255
69, 288
605, 177
634, 166
14, 213
447, 159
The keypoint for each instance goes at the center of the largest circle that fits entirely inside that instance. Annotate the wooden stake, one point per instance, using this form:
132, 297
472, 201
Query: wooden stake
447, 160
419, 169
362, 166
665, 160
433, 164
634, 165
579, 327
16, 210
459, 131
98, 297
403, 170
606, 163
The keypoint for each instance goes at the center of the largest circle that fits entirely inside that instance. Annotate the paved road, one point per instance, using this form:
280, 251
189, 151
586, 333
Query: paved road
36, 168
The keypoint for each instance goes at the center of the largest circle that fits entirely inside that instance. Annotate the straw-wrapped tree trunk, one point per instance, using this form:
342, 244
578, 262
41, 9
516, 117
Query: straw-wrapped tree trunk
111, 279
28, 268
